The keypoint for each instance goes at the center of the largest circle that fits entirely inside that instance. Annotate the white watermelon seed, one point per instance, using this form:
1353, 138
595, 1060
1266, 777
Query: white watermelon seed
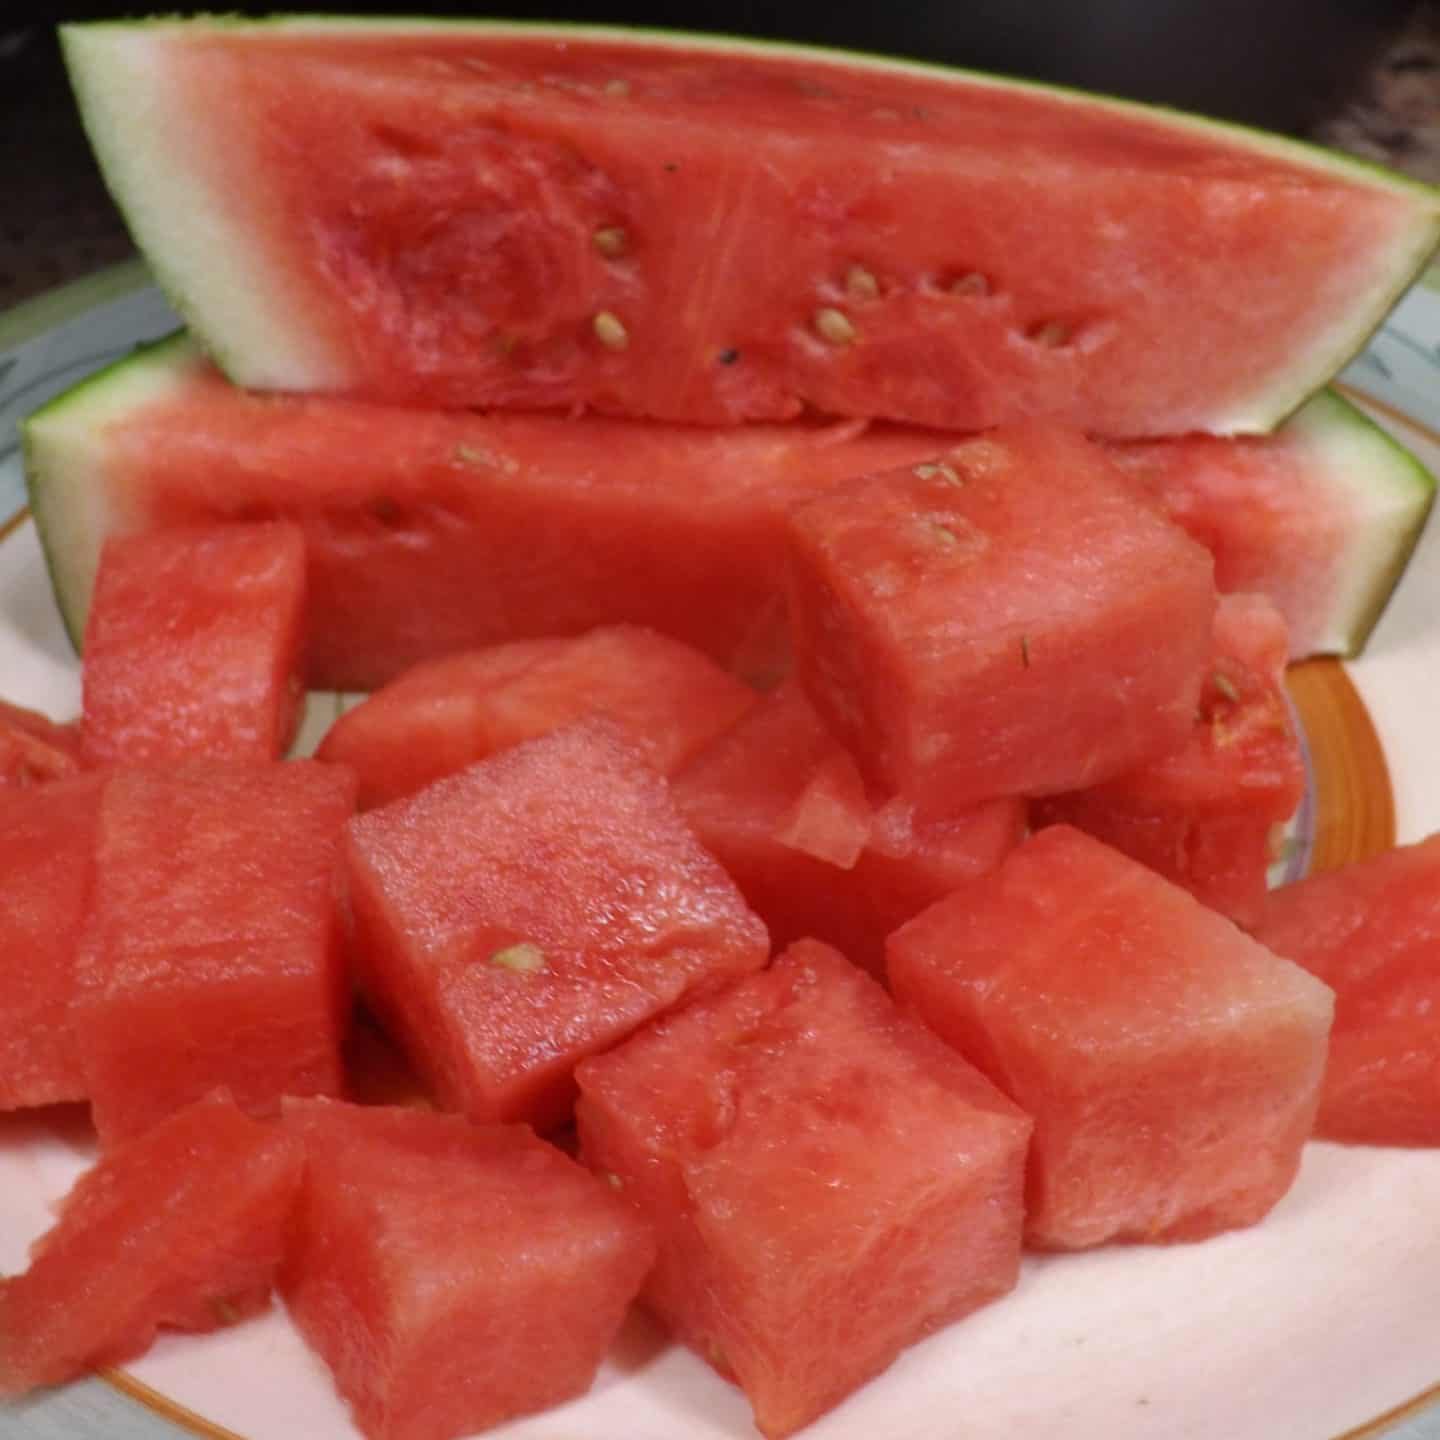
972, 283
524, 958
1053, 334
1225, 686
939, 470
861, 284
610, 332
833, 325
611, 240
617, 87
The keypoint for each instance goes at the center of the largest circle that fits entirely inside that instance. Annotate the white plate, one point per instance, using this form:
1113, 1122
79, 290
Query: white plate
1318, 1323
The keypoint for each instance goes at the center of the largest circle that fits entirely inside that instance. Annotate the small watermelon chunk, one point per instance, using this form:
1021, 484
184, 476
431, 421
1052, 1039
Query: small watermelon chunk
1006, 620
453, 1275
192, 646
1172, 1064
828, 1182
446, 714
182, 1227
1207, 815
47, 856
1370, 930
212, 956
780, 804
34, 749
534, 909
706, 230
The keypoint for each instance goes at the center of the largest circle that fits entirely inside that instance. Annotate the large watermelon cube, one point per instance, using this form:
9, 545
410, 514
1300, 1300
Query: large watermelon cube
192, 646
829, 1183
1171, 1063
1371, 931
1008, 619
182, 1227
532, 910
444, 715
47, 853
453, 1275
213, 951
1206, 816
778, 801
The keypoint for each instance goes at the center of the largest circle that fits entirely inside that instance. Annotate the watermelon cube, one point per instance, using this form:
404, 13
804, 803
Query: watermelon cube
532, 910
47, 853
1171, 1063
779, 802
212, 955
34, 749
1370, 931
1207, 815
453, 1275
1009, 619
192, 645
829, 1182
444, 715
182, 1227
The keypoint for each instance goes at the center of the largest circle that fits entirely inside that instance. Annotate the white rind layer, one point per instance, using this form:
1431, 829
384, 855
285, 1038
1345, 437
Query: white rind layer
246, 306
1388, 494
155, 155
66, 454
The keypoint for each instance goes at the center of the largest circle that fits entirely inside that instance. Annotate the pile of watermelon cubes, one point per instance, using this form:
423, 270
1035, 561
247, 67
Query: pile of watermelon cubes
793, 1014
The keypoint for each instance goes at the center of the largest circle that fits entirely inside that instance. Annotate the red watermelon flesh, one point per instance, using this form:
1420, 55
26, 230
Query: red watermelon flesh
703, 230
1206, 816
780, 804
1370, 931
1171, 1063
448, 713
828, 1182
534, 909
212, 955
34, 749
47, 855
192, 646
432, 1324
181, 1228
1006, 620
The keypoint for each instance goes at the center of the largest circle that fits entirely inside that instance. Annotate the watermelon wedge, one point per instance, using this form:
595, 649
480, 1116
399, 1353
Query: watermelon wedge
429, 532
711, 230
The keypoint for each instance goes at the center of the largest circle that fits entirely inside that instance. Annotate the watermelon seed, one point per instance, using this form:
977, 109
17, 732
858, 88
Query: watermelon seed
939, 470
1052, 334
613, 1180
224, 1311
610, 332
1225, 686
728, 356
833, 325
944, 535
611, 241
671, 167
972, 283
1025, 651
860, 284
617, 87
523, 958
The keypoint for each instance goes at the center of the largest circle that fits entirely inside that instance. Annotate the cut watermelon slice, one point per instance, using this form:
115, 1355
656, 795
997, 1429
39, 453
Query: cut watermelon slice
428, 533
712, 230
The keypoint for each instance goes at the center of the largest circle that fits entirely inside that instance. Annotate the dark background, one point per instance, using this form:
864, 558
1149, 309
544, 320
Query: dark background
1285, 64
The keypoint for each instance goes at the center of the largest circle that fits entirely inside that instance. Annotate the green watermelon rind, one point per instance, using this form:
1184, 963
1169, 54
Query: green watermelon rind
1392, 493
63, 449
251, 341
